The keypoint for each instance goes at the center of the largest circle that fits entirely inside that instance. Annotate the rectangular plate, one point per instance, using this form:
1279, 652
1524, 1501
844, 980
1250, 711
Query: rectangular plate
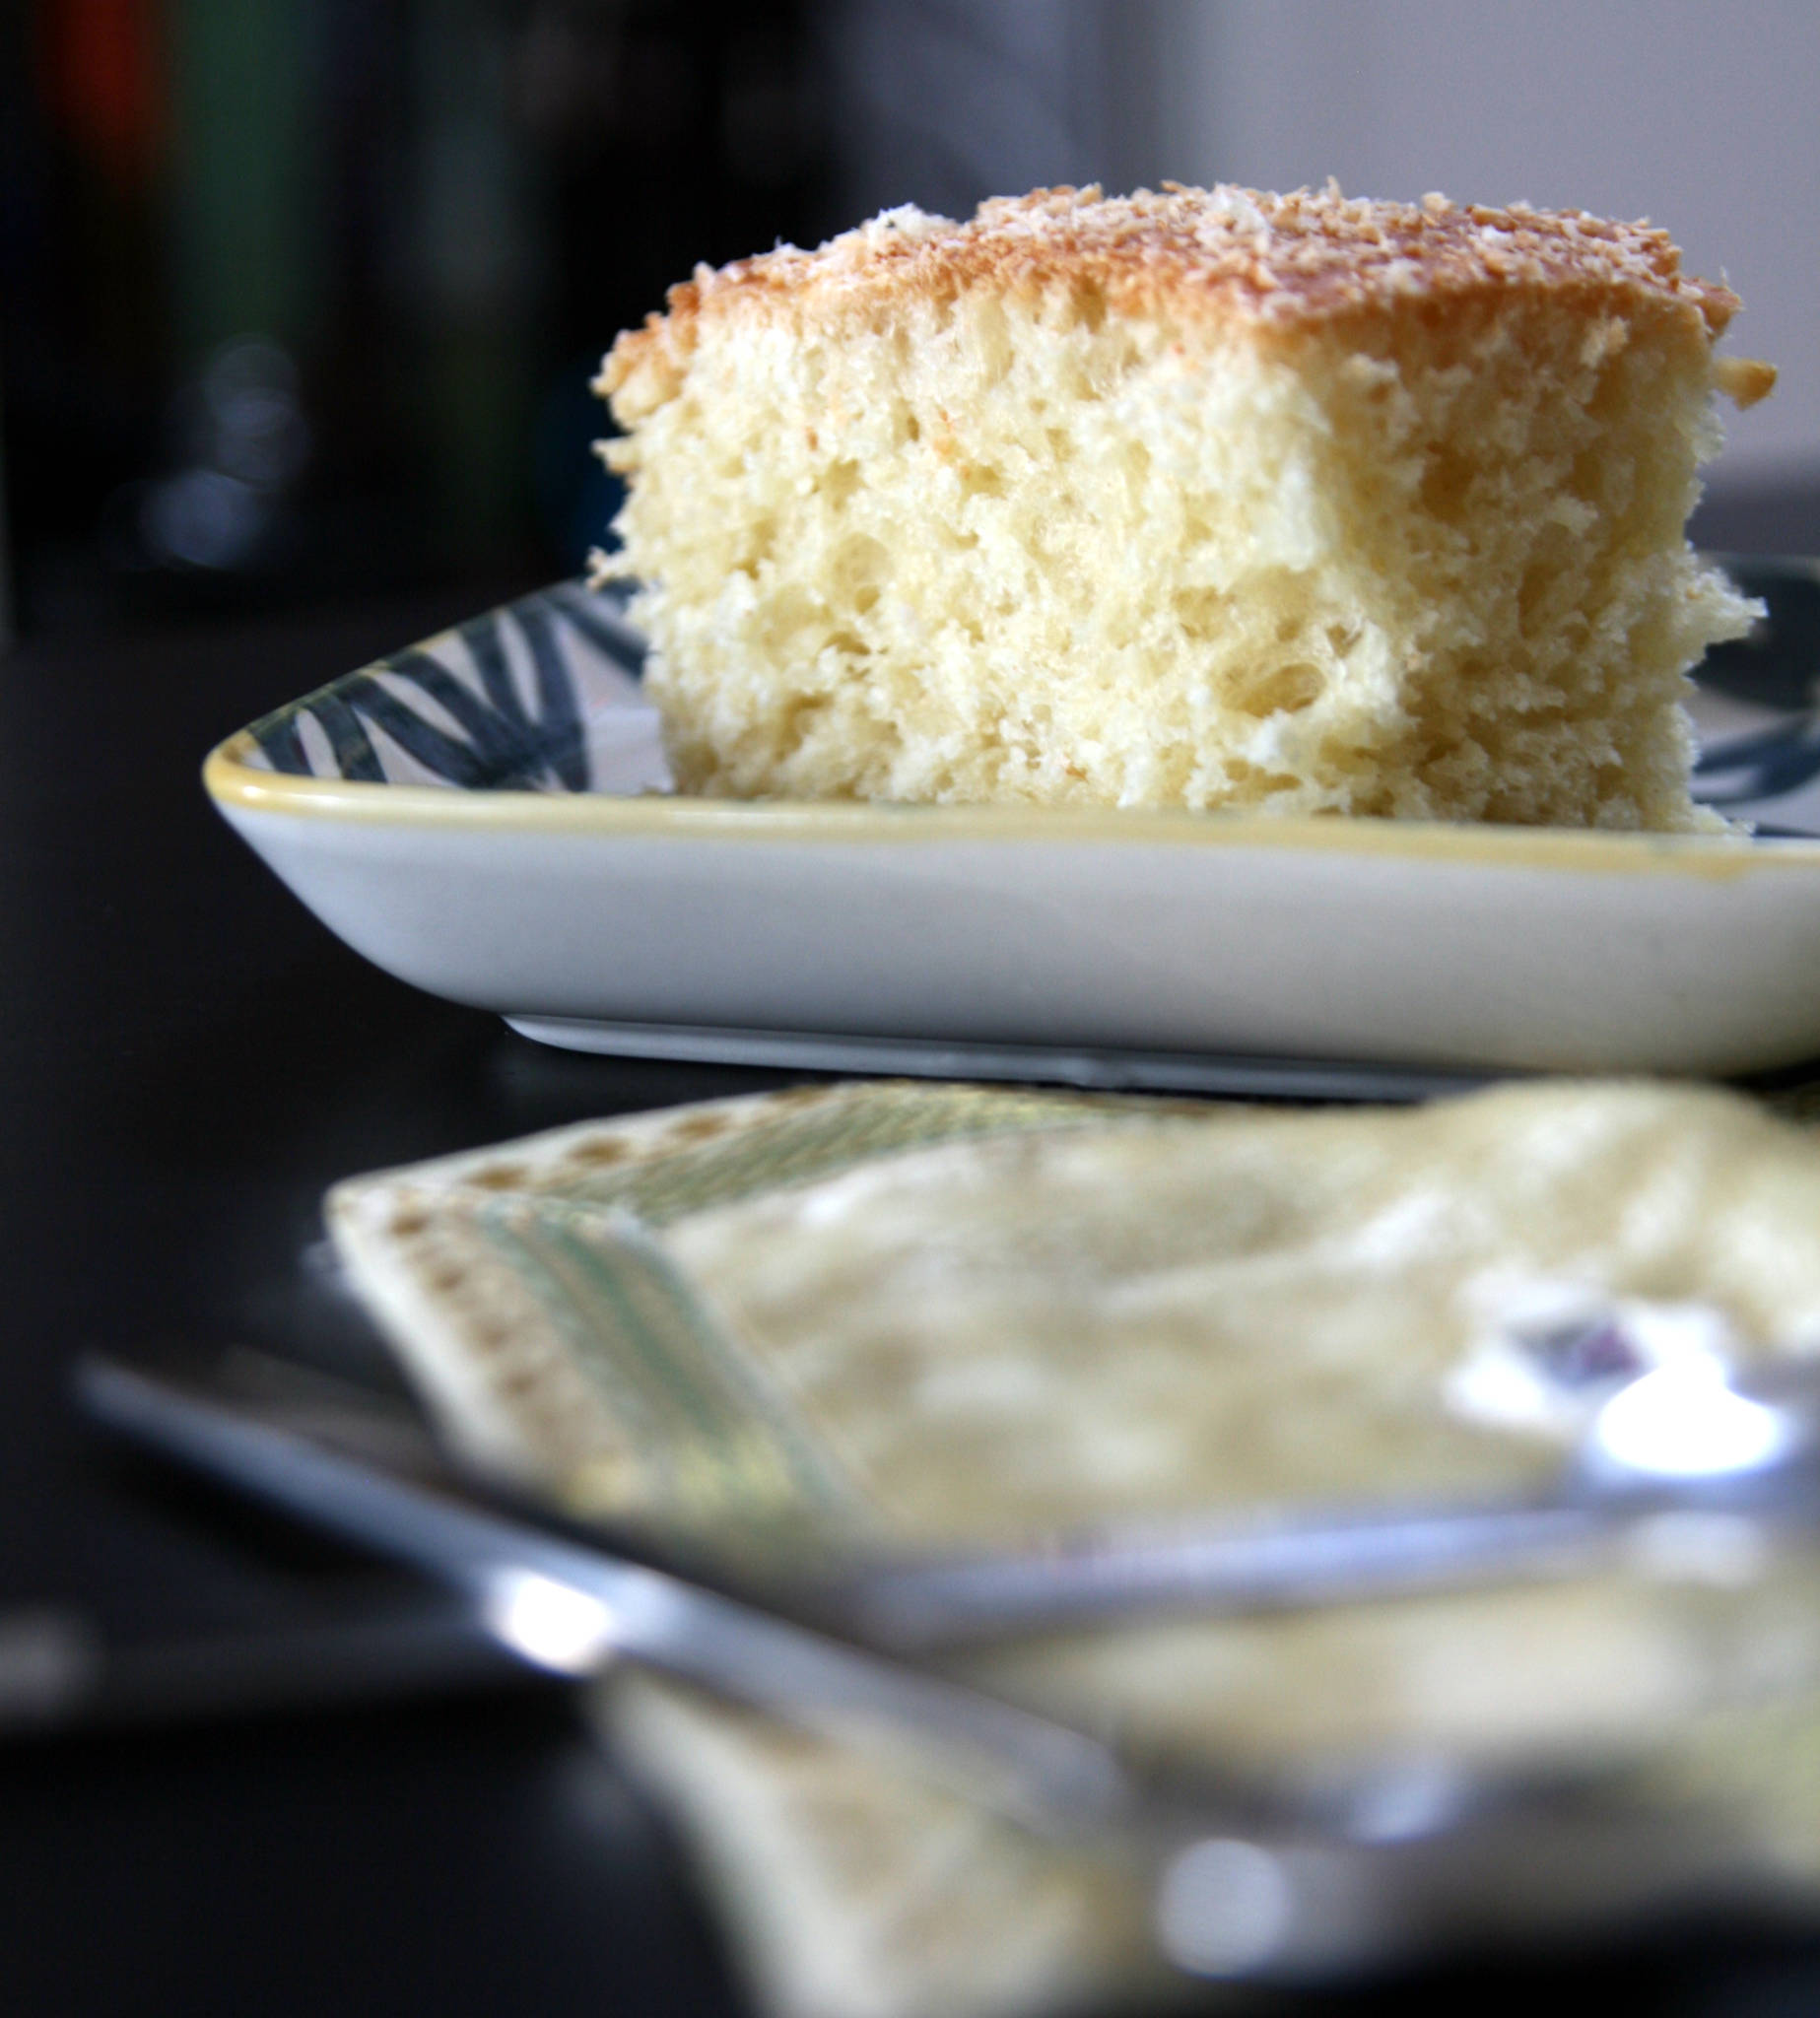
487, 815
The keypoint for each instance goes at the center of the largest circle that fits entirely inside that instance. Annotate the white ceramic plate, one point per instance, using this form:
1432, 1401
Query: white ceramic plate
487, 815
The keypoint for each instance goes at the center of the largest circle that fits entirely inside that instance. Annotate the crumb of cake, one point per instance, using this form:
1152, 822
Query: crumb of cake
1297, 504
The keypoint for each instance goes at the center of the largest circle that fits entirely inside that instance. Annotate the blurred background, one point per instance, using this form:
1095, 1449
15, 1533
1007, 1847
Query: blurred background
300, 298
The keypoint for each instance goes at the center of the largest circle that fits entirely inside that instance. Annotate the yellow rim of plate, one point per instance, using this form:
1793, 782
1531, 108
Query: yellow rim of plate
238, 786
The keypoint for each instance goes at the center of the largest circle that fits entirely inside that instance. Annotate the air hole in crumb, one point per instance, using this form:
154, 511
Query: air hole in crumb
758, 543
1197, 610
841, 482
1089, 303
1590, 478
1282, 690
860, 563
786, 613
1540, 587
795, 725
1255, 782
1240, 772
1445, 483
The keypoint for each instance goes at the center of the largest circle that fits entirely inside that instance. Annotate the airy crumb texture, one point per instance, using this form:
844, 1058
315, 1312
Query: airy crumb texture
1206, 498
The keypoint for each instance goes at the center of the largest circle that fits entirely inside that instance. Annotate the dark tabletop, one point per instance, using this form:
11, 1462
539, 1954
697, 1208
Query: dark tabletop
187, 1061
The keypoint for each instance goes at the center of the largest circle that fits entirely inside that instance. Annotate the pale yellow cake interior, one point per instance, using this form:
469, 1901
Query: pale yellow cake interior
1416, 557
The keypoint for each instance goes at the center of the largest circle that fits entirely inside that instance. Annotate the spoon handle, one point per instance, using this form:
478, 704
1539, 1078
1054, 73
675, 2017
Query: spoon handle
1326, 1557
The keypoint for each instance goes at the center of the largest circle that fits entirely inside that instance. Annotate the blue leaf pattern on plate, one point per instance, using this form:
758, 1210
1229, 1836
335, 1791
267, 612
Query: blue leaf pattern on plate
470, 728
1770, 764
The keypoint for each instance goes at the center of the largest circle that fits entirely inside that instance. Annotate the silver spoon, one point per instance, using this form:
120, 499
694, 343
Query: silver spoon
1682, 1467
1245, 1881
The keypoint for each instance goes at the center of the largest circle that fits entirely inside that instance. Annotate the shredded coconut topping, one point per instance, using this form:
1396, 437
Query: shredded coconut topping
1202, 253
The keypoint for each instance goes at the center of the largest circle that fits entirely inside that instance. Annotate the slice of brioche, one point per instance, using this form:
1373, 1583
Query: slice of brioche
1206, 498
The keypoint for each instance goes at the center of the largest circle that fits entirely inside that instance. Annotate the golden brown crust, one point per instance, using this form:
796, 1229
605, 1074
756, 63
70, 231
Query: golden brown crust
1208, 257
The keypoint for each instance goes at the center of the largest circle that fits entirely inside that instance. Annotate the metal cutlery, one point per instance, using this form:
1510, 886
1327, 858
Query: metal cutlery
1400, 1859
1679, 1463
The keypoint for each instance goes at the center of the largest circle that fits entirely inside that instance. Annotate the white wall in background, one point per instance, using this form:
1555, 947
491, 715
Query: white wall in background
1703, 115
